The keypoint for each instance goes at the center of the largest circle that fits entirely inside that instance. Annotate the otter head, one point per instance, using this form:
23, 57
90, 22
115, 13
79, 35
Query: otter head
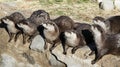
24, 24
101, 22
70, 34
45, 15
50, 26
16, 17
7, 21
39, 16
99, 33
97, 29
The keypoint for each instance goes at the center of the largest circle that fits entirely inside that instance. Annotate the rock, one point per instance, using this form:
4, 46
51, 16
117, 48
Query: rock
10, 61
37, 44
99, 1
7, 61
79, 59
117, 4
106, 5
54, 62
72, 60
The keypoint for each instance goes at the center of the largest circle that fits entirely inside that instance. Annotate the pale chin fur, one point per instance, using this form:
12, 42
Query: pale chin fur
49, 27
19, 25
44, 25
9, 22
102, 24
48, 32
25, 27
97, 36
67, 34
10, 25
70, 35
71, 38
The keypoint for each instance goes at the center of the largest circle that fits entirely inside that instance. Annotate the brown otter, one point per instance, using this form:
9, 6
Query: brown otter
64, 23
29, 29
73, 38
105, 43
30, 25
51, 33
85, 30
39, 16
110, 25
79, 37
59, 25
10, 23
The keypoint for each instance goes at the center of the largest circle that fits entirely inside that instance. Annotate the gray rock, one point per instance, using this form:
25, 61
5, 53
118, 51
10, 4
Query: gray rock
117, 4
54, 62
72, 60
106, 5
38, 44
99, 1
7, 61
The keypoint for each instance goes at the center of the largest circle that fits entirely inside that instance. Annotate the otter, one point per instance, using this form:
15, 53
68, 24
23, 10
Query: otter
39, 16
80, 36
85, 30
51, 33
73, 39
105, 43
110, 25
64, 23
31, 24
29, 30
10, 24
59, 25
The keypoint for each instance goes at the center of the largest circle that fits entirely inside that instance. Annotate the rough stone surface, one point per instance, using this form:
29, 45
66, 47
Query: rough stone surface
7, 61
38, 44
117, 4
107, 5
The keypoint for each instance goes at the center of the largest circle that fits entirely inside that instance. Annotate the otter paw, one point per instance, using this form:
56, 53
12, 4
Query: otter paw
93, 62
64, 53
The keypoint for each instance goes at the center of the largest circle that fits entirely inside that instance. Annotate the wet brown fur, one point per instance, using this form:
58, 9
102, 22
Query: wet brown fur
110, 44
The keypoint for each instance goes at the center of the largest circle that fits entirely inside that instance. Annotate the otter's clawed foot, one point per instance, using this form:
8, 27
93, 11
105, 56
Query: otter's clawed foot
93, 62
73, 51
24, 42
29, 40
64, 53
9, 40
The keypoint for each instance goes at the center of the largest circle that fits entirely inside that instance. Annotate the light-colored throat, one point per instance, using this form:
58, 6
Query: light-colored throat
10, 25
71, 38
97, 36
26, 28
49, 27
8, 22
50, 32
101, 24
